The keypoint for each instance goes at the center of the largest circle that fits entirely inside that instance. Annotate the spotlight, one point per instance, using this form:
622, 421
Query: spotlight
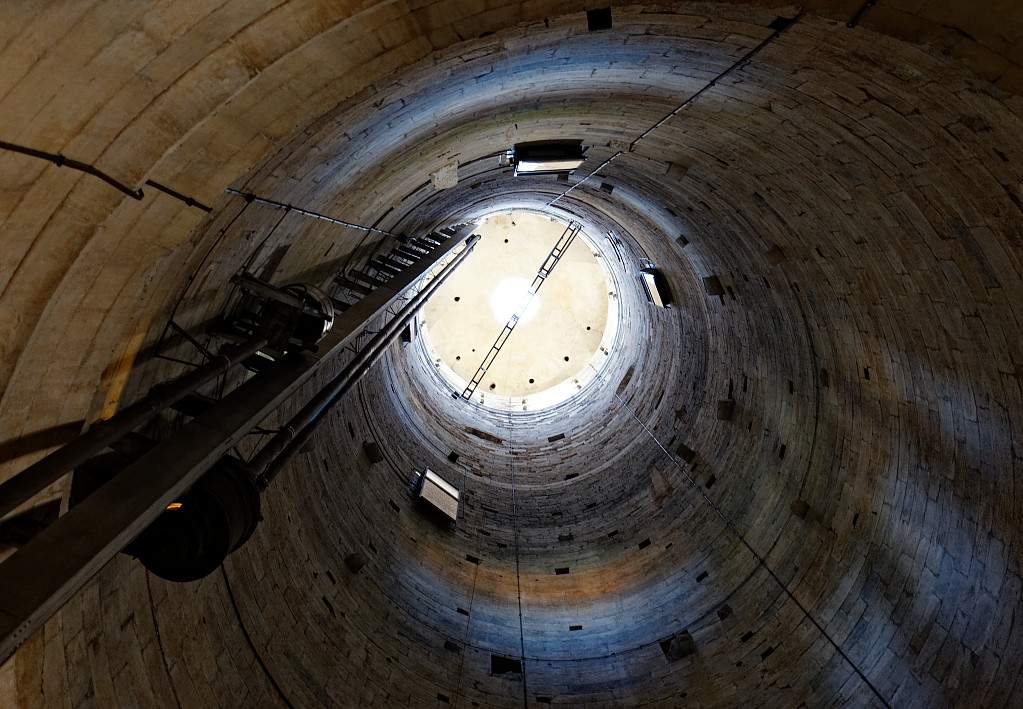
656, 286
547, 157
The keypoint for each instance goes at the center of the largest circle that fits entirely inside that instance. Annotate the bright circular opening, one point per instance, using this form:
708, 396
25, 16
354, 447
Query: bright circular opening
566, 318
511, 296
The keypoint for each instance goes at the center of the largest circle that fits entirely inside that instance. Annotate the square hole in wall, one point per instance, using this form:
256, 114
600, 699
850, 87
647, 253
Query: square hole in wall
598, 19
501, 665
678, 646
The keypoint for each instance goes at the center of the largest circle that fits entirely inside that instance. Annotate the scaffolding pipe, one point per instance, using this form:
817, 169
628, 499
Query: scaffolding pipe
274, 455
36, 477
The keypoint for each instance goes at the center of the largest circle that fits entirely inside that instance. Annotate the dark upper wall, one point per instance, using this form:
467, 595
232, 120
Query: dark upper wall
890, 178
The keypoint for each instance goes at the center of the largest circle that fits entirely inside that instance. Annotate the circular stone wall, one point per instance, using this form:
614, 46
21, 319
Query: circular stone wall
804, 472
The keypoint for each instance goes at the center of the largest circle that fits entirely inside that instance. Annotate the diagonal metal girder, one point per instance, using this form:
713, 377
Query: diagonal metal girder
43, 575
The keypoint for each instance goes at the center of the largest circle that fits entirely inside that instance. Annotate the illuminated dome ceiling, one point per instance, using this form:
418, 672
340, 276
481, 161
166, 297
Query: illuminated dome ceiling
795, 487
559, 338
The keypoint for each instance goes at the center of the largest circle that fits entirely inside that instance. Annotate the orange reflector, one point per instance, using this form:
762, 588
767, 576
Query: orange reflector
175, 506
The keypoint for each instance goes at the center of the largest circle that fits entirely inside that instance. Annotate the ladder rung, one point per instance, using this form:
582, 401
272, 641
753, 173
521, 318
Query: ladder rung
340, 305
371, 281
382, 265
394, 262
423, 243
406, 253
351, 285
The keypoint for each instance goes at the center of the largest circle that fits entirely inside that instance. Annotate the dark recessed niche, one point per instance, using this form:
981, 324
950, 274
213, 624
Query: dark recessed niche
556, 437
372, 451
702, 575
501, 665
712, 286
800, 508
355, 561
443, 698
607, 187
453, 457
710, 482
724, 611
462, 611
677, 647
598, 19
566, 537
544, 700
561, 570
644, 544
452, 646
572, 476
472, 559
686, 453
575, 627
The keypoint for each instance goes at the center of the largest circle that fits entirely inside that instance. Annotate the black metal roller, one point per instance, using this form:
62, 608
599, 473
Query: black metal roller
194, 535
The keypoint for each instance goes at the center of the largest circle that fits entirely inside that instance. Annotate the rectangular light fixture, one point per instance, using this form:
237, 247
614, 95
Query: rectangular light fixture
656, 287
440, 494
547, 157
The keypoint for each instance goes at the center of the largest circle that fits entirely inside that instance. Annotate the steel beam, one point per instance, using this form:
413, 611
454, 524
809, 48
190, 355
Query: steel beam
41, 576
271, 458
35, 478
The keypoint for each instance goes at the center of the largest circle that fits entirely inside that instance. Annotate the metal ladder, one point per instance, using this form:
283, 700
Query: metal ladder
560, 247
